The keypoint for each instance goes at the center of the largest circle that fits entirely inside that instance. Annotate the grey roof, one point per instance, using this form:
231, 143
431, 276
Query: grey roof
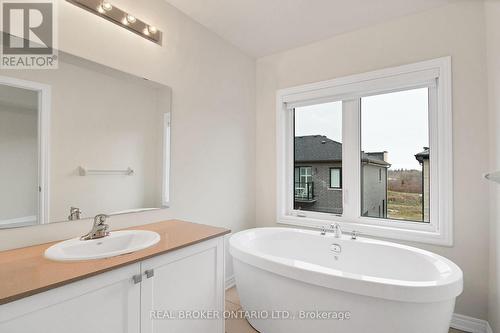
423, 155
319, 148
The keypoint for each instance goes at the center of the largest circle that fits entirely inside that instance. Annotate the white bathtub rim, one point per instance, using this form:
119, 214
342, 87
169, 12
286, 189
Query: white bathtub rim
390, 289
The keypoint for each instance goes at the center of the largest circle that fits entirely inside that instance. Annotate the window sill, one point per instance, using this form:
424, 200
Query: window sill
422, 234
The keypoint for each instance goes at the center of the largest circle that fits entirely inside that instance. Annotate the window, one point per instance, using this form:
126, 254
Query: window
403, 115
364, 151
317, 146
335, 178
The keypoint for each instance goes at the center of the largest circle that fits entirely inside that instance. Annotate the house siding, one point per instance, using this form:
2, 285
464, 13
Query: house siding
374, 191
327, 200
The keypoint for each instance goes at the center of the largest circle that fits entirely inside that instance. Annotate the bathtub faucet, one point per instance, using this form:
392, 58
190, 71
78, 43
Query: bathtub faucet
337, 231
323, 230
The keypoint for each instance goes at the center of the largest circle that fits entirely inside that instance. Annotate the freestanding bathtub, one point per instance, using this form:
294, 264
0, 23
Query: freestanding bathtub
297, 281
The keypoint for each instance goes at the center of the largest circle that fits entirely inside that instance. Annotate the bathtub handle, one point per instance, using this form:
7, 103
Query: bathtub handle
354, 235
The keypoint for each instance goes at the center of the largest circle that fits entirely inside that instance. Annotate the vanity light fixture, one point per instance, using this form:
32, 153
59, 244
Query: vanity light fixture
124, 19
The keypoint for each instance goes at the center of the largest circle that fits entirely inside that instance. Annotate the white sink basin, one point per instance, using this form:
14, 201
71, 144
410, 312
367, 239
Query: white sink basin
117, 243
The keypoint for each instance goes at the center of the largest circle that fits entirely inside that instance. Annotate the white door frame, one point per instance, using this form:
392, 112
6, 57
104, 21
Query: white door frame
44, 104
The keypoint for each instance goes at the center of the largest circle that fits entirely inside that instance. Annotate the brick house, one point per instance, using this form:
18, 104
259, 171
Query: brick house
318, 177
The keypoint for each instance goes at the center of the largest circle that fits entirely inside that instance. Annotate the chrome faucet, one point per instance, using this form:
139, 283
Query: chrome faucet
74, 213
99, 229
337, 231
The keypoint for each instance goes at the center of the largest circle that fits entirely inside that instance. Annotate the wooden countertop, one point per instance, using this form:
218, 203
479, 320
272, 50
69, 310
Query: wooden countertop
25, 271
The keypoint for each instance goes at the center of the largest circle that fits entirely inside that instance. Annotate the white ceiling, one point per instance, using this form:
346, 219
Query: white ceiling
263, 27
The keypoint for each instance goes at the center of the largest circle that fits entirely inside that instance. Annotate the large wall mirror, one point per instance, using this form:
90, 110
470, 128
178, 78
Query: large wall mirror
81, 140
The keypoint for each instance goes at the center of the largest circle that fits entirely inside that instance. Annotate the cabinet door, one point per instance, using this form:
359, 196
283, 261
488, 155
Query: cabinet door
106, 303
187, 281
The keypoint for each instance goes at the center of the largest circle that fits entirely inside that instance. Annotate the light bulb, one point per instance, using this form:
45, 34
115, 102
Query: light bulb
106, 6
130, 18
152, 29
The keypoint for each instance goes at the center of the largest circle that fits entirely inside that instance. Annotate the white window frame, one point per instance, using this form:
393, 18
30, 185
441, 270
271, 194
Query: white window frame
435, 74
339, 169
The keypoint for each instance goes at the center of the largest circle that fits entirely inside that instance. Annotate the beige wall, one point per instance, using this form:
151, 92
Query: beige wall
213, 114
456, 30
492, 12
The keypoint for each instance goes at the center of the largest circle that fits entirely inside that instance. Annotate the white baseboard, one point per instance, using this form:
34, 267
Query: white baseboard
230, 282
470, 324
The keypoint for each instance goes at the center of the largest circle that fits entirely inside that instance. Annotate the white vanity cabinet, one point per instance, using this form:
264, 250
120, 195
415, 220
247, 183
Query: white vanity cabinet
109, 302
189, 280
188, 283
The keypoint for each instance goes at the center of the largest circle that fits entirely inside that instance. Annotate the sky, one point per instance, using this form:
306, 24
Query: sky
395, 122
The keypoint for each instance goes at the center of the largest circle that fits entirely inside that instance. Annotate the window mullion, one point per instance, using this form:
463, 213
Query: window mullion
434, 156
350, 159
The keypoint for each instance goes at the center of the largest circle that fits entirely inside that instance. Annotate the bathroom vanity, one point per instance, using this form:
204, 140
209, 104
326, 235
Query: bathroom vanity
145, 291
86, 141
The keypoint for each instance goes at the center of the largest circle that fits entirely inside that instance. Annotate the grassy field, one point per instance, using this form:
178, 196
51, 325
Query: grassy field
404, 206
